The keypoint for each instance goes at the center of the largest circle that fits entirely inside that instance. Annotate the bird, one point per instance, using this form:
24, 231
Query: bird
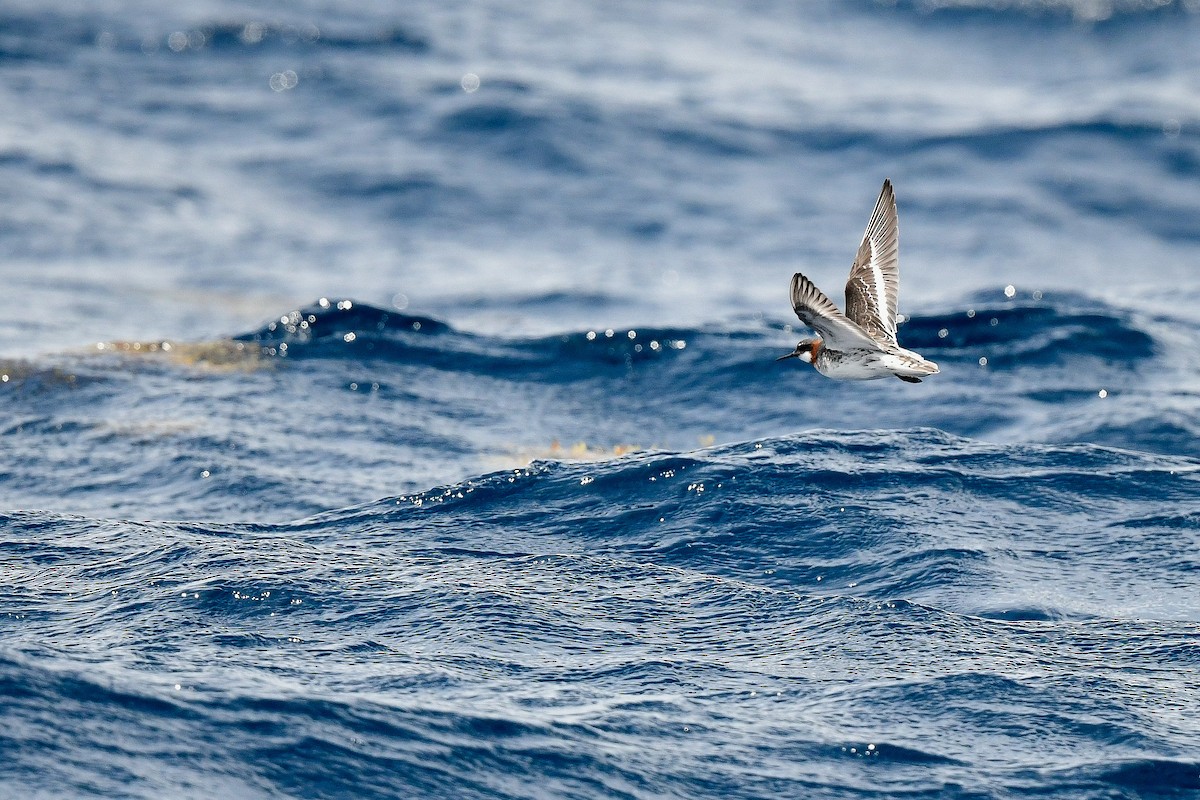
860, 345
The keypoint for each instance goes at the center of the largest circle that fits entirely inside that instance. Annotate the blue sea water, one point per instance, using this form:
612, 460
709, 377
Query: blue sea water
388, 404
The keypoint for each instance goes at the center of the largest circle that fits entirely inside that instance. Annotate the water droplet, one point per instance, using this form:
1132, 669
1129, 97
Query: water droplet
400, 301
469, 82
1172, 128
983, 361
1010, 290
1103, 393
943, 333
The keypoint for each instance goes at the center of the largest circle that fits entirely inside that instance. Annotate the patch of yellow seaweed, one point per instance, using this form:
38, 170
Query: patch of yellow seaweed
224, 355
580, 451
17, 372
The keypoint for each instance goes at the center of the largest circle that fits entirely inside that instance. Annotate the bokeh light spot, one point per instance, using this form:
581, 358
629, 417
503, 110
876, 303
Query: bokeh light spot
283, 81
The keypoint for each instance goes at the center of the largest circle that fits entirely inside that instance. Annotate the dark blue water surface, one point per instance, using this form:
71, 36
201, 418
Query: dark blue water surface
388, 404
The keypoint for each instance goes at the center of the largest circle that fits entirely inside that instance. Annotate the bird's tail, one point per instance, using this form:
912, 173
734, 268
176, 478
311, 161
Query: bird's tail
912, 367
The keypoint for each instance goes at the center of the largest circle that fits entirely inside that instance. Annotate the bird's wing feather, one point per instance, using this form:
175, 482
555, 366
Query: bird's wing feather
819, 313
875, 277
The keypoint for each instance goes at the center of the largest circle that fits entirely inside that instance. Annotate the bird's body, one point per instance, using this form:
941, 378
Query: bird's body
860, 345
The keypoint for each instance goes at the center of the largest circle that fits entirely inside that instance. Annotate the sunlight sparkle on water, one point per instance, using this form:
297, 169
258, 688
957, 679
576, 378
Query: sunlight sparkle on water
283, 81
252, 33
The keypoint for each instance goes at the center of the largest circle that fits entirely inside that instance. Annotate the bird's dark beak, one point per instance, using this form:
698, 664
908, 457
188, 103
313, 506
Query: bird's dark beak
793, 354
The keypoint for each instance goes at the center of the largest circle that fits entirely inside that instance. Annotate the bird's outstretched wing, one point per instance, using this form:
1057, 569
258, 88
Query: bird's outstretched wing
875, 277
819, 313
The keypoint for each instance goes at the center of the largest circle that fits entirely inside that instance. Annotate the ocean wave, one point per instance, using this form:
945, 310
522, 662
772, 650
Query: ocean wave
1020, 332
777, 512
439, 403
836, 597
1033, 331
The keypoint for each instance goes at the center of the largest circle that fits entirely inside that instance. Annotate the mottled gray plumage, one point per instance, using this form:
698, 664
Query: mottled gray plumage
819, 313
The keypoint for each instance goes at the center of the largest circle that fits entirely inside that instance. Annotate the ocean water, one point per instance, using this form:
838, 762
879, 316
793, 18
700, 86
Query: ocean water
388, 404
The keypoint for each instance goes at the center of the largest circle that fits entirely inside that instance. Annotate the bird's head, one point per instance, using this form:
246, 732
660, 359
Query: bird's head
806, 351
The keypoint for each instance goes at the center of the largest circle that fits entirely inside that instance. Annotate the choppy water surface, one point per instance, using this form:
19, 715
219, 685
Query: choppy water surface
389, 403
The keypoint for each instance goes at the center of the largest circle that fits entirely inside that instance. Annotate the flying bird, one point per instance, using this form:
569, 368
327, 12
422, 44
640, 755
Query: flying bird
860, 345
